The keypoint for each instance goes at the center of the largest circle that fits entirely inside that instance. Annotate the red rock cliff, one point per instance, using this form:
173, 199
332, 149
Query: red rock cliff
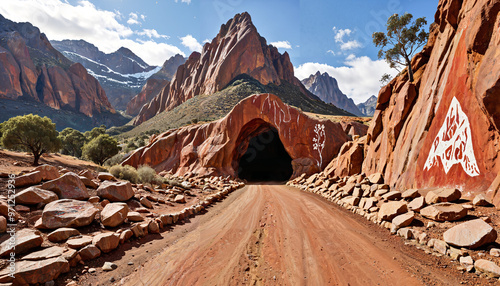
216, 147
443, 129
31, 68
237, 49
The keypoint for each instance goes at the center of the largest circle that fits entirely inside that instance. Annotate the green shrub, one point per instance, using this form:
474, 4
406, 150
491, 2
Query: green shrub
126, 172
115, 160
146, 174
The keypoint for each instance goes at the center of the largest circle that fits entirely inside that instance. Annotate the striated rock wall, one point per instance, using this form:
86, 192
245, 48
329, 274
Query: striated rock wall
30, 68
442, 130
237, 49
216, 147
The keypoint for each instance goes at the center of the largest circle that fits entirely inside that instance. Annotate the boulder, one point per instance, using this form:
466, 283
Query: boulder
3, 224
417, 204
25, 240
392, 196
49, 252
444, 212
87, 174
481, 200
115, 191
28, 179
403, 220
47, 172
440, 246
79, 242
34, 196
106, 241
126, 235
88, 182
35, 272
61, 234
376, 178
181, 199
114, 214
103, 176
68, 186
109, 266
390, 210
467, 262
89, 252
488, 267
153, 227
470, 234
68, 213
147, 203
410, 194
134, 216
442, 195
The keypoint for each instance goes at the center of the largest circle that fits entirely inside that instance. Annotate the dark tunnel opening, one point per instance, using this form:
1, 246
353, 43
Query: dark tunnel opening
265, 159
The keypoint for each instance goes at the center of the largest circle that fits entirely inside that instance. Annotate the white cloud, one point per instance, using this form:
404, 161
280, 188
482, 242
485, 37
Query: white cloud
60, 20
331, 52
191, 43
143, 17
349, 45
152, 33
184, 1
132, 20
340, 34
359, 78
282, 45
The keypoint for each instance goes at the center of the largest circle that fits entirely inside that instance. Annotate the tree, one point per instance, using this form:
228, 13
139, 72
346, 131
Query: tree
72, 142
94, 133
100, 149
403, 39
30, 133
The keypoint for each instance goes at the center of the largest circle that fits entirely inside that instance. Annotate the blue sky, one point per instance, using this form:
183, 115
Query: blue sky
329, 36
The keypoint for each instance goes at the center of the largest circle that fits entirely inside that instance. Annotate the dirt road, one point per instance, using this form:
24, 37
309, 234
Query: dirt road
278, 235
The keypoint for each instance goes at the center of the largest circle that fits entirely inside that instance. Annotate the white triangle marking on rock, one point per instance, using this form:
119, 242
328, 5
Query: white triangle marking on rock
453, 144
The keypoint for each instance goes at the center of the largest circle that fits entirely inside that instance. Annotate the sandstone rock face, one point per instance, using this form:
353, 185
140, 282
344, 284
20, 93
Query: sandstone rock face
48, 172
327, 89
442, 130
34, 195
114, 214
215, 148
32, 68
349, 160
115, 191
471, 234
151, 89
68, 186
237, 49
68, 213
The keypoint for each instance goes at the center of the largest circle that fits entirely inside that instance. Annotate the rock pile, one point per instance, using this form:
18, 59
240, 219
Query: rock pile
399, 211
58, 228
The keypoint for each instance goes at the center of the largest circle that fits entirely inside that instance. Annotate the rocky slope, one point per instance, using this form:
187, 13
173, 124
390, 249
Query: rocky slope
31, 69
442, 130
327, 89
237, 49
155, 84
121, 73
367, 108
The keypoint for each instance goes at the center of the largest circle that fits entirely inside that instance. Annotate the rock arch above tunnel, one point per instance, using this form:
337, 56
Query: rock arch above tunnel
210, 148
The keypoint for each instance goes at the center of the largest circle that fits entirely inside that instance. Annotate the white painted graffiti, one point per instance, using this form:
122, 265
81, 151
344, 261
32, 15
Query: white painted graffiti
453, 144
319, 141
280, 115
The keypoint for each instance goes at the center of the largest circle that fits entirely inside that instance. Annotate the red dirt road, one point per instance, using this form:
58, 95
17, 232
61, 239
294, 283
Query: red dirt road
278, 235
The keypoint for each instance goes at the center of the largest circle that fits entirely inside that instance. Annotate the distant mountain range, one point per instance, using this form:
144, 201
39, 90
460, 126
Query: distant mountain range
327, 89
368, 107
121, 73
32, 70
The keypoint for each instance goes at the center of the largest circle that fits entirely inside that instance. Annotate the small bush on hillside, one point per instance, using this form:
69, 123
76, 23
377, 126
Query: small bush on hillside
115, 160
126, 172
146, 174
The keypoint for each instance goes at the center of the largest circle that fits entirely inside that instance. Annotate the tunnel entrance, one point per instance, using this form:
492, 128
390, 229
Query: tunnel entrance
265, 158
